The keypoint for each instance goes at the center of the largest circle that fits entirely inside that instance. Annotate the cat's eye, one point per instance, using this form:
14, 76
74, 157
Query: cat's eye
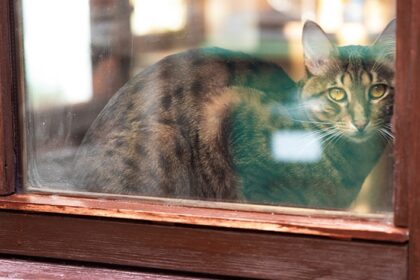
377, 91
337, 94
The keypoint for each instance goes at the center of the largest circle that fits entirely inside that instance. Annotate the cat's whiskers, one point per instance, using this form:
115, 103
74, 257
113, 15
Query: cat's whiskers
340, 135
385, 137
330, 140
341, 125
388, 126
313, 136
388, 134
385, 129
322, 136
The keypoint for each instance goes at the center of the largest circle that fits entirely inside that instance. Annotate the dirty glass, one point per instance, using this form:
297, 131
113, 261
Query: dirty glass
267, 102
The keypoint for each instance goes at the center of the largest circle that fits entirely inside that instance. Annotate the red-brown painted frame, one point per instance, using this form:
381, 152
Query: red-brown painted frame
403, 110
408, 124
24, 269
8, 97
38, 225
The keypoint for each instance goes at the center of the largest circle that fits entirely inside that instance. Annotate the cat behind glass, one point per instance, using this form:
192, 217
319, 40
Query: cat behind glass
213, 124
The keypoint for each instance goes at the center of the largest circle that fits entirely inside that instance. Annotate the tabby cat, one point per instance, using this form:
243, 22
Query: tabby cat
202, 124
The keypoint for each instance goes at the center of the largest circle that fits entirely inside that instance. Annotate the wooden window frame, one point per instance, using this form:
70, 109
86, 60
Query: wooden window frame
198, 239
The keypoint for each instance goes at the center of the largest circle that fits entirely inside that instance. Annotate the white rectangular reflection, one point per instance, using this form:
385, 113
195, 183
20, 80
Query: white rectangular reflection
296, 146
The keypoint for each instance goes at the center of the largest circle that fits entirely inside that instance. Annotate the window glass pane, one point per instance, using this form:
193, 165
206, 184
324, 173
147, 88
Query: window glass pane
271, 102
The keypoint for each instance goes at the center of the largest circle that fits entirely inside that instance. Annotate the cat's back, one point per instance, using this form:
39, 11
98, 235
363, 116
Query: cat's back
167, 130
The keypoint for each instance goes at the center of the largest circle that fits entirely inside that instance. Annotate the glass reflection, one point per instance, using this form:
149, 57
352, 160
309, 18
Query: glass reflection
73, 68
296, 146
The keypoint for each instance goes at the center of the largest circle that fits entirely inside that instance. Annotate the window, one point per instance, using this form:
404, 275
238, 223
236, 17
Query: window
197, 239
258, 137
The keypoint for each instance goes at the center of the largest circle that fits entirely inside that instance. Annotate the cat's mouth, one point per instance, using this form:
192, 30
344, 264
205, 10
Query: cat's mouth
360, 136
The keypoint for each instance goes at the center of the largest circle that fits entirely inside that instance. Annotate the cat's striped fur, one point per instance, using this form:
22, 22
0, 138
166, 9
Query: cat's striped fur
198, 125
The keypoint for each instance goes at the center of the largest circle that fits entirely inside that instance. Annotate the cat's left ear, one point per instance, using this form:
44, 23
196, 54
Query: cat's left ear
319, 52
385, 45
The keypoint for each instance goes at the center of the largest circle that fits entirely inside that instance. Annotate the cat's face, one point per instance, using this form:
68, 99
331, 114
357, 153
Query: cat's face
349, 91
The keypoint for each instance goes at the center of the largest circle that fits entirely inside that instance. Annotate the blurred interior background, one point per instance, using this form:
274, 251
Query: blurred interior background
77, 54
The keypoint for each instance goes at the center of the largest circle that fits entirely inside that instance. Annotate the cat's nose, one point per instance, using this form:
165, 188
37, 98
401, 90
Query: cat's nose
360, 125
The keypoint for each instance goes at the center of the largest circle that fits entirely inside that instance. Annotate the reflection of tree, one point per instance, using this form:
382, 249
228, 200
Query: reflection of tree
110, 45
55, 132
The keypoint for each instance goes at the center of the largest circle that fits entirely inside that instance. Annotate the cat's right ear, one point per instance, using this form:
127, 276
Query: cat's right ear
320, 53
384, 46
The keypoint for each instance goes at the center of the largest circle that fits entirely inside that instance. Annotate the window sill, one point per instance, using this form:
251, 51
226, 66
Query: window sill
334, 224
